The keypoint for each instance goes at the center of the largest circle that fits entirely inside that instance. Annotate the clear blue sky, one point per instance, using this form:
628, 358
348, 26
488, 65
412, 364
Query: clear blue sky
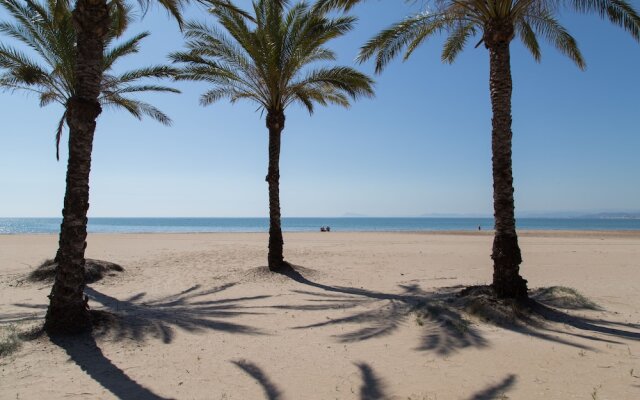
421, 146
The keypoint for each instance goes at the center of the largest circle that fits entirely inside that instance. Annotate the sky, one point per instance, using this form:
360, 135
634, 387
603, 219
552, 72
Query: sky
421, 146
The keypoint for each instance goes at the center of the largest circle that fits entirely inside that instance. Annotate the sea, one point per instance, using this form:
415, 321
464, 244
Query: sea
359, 224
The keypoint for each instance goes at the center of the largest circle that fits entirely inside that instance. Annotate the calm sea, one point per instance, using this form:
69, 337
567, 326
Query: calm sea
139, 225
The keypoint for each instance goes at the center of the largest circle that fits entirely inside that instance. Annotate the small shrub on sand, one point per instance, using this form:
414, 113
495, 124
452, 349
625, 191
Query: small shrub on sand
482, 302
9, 340
13, 335
563, 297
94, 270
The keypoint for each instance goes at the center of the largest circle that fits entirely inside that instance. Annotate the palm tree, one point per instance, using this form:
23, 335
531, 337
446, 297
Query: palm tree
265, 59
497, 23
93, 29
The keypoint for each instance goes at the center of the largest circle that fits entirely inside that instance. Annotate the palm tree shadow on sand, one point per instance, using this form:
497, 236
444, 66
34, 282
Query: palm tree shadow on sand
137, 318
372, 387
445, 315
84, 351
191, 310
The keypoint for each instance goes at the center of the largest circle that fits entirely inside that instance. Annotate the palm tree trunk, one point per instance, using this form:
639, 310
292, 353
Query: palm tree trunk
506, 256
68, 311
275, 124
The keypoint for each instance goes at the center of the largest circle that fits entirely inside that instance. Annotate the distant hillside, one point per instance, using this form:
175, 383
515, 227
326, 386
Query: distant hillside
613, 215
353, 215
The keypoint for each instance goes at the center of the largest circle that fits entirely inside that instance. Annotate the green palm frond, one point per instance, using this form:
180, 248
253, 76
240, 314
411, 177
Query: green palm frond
329, 5
408, 34
156, 71
61, 123
21, 67
46, 67
130, 46
544, 24
173, 7
618, 12
49, 97
455, 41
343, 79
136, 108
120, 17
529, 39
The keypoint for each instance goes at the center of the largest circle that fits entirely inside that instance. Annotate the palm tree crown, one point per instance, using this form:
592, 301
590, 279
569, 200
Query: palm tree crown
48, 30
462, 19
265, 58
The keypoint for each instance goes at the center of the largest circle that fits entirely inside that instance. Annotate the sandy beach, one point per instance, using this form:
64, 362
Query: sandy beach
200, 317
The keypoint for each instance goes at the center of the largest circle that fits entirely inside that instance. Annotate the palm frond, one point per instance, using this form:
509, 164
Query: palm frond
456, 41
130, 46
409, 34
173, 8
529, 39
329, 5
546, 25
59, 133
618, 12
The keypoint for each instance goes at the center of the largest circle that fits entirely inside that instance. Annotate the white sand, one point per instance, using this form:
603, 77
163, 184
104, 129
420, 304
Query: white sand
201, 321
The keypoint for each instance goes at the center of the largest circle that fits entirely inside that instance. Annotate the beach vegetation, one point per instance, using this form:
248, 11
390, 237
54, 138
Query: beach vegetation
265, 56
495, 23
9, 340
94, 270
563, 297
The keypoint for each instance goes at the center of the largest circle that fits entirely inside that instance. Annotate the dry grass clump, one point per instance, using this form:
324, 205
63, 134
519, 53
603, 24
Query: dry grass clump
482, 302
94, 270
9, 340
11, 337
563, 297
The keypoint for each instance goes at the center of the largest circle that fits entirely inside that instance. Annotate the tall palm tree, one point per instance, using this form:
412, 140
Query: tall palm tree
51, 77
265, 59
497, 23
92, 21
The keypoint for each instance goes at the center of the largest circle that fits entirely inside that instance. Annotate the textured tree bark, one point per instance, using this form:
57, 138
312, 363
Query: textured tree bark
68, 311
506, 256
275, 124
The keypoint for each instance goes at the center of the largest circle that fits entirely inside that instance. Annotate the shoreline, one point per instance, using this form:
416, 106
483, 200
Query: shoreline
470, 232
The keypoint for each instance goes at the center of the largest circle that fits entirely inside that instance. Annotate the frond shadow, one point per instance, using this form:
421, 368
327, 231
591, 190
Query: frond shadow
138, 317
493, 391
446, 329
373, 388
445, 316
190, 310
271, 391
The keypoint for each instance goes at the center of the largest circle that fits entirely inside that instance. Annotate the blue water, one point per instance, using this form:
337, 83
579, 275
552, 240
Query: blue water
139, 225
